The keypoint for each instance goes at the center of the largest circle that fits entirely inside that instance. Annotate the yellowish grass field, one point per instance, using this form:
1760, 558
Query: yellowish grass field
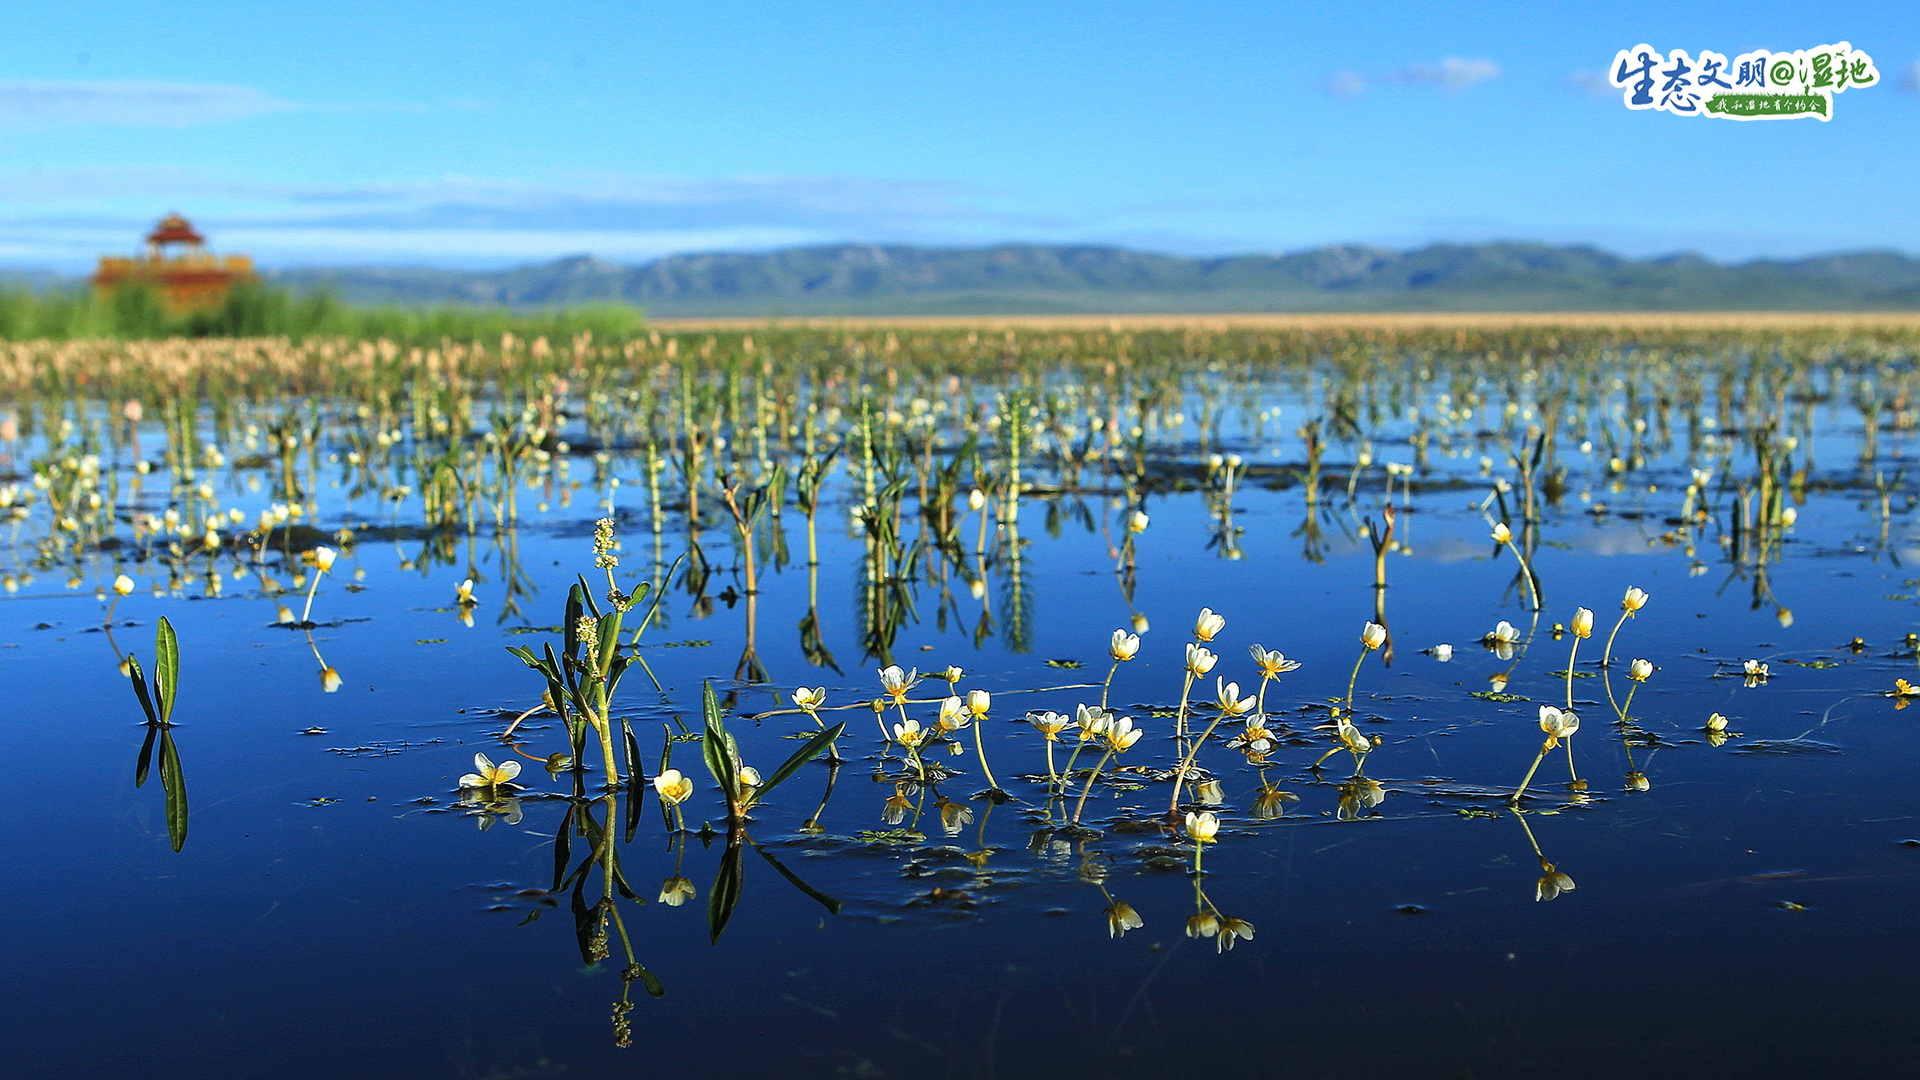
1481, 320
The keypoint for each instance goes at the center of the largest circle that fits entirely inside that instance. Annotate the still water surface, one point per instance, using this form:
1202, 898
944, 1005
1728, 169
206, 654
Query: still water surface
337, 911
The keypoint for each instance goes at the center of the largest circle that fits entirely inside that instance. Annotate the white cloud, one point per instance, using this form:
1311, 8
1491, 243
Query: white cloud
1453, 72
1592, 83
1345, 84
66, 216
48, 103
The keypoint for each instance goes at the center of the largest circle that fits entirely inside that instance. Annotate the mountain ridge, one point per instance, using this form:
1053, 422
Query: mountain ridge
857, 279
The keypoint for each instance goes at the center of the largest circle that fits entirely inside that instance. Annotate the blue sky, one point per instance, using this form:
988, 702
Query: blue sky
484, 133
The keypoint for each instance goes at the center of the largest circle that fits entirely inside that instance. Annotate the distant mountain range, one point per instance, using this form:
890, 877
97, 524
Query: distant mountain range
867, 279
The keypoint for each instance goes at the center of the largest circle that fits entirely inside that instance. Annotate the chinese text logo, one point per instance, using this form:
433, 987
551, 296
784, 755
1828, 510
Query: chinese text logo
1754, 86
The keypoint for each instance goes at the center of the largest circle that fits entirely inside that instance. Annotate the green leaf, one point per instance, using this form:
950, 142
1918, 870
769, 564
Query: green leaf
562, 849
718, 750
140, 690
725, 895
175, 785
526, 657
166, 669
814, 748
146, 756
647, 979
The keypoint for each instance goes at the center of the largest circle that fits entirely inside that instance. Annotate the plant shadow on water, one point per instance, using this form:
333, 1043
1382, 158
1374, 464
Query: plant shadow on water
880, 564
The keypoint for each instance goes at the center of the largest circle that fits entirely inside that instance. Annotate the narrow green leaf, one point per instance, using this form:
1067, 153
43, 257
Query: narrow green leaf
717, 748
140, 690
562, 849
174, 782
813, 748
166, 668
725, 895
146, 756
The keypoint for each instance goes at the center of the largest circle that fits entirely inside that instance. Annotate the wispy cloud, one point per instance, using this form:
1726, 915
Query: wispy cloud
1592, 83
46, 103
1451, 73
64, 214
1911, 84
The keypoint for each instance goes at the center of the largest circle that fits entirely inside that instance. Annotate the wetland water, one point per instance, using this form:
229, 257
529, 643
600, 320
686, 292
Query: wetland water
1713, 903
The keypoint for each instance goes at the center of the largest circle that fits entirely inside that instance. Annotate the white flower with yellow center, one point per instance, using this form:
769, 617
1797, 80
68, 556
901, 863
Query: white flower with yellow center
1049, 724
1124, 646
896, 682
1200, 660
1208, 624
1271, 662
673, 788
1227, 695
487, 775
1558, 723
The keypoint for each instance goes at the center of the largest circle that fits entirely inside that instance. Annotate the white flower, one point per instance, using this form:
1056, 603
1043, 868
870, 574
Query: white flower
897, 682
1202, 827
122, 585
1271, 662
1640, 670
1502, 534
1121, 918
1050, 724
978, 702
1635, 599
1716, 722
1092, 721
953, 714
909, 733
1756, 669
976, 499
1138, 522
1121, 734
1229, 699
1443, 652
674, 788
748, 776
676, 891
1373, 635
1124, 646
323, 558
1558, 723
1583, 622
1200, 659
810, 700
1207, 625
463, 592
486, 774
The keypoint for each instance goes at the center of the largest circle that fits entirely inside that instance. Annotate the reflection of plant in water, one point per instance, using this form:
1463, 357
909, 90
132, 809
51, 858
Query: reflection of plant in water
1558, 724
1553, 881
156, 701
1207, 920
